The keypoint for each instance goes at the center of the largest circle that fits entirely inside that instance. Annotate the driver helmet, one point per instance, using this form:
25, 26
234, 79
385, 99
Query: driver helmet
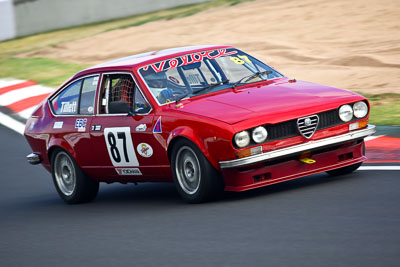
156, 80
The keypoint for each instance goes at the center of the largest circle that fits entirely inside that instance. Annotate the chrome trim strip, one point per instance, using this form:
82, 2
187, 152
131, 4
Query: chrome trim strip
299, 148
33, 158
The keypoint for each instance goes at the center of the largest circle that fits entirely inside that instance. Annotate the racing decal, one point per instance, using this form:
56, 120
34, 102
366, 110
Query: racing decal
240, 60
68, 107
188, 59
90, 109
58, 125
157, 127
96, 127
145, 150
80, 124
120, 146
141, 128
128, 171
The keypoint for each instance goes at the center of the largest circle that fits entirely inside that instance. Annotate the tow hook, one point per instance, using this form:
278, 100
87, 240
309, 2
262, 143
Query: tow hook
307, 160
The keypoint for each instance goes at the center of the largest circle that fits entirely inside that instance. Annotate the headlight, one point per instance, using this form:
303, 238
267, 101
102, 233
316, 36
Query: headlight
360, 109
346, 113
242, 139
259, 134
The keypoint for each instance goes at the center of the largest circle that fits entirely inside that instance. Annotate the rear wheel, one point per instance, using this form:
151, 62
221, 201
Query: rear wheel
71, 183
195, 178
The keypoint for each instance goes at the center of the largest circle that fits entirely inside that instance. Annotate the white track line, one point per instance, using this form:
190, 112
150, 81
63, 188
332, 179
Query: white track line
9, 82
26, 92
379, 168
11, 123
27, 112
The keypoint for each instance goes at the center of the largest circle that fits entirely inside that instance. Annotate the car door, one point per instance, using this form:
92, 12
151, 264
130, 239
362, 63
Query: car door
73, 109
123, 144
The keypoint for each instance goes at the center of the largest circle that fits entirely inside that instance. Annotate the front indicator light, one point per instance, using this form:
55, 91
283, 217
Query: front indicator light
249, 152
358, 125
242, 139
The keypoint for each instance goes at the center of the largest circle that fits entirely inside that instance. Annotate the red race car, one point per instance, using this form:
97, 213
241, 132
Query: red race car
208, 118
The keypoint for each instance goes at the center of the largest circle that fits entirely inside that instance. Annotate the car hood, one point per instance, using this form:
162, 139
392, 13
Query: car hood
274, 102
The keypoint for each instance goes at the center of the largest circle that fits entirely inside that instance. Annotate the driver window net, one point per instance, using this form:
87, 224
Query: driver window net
122, 89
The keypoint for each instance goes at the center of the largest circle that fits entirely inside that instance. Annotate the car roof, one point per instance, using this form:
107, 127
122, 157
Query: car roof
148, 57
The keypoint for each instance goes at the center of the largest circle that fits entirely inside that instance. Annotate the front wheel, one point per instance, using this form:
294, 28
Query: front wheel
347, 169
195, 178
71, 183
344, 170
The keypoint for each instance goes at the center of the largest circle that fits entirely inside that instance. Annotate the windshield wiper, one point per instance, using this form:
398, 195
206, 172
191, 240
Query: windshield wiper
252, 76
210, 86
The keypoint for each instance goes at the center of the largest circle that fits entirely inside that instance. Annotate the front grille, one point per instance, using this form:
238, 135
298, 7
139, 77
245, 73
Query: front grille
282, 130
329, 119
308, 125
297, 127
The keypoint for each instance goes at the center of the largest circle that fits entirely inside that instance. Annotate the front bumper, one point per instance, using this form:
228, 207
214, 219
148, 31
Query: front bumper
313, 144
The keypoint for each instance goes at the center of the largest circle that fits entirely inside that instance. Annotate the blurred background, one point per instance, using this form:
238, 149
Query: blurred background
353, 45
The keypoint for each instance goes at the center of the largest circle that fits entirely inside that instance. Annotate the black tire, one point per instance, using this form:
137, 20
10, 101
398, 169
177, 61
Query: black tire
71, 183
347, 169
344, 170
195, 178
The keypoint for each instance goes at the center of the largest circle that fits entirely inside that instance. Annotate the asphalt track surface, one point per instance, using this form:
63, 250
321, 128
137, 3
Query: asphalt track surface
353, 220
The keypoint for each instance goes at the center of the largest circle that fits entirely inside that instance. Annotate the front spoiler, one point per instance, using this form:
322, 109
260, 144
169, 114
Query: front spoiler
357, 134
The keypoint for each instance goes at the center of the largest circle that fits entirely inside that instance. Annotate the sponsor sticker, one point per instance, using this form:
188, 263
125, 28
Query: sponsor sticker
58, 124
145, 150
188, 59
96, 127
141, 128
128, 171
68, 107
80, 124
157, 127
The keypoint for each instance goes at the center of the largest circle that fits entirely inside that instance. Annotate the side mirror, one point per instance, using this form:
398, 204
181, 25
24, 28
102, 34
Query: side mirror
118, 107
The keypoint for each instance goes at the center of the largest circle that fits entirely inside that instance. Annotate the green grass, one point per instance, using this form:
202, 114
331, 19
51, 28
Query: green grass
53, 72
385, 109
50, 72
53, 38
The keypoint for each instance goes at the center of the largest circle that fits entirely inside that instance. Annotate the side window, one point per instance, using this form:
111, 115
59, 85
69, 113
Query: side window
66, 103
116, 90
86, 106
141, 104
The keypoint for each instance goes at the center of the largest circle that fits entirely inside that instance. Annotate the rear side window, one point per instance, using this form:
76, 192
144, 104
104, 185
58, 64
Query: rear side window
86, 106
66, 103
77, 98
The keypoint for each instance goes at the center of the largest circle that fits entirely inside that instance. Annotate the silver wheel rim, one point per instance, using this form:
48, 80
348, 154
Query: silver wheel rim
187, 169
64, 172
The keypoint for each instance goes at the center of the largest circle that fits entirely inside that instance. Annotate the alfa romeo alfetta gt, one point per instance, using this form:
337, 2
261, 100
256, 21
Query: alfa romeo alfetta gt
208, 118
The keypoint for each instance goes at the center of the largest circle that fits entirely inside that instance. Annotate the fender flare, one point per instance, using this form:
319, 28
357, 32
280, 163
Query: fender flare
59, 143
189, 134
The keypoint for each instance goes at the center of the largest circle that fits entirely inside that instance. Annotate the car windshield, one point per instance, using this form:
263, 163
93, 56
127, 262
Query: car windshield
203, 72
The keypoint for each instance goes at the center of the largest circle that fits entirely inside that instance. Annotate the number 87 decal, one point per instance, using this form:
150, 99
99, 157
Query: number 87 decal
120, 147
